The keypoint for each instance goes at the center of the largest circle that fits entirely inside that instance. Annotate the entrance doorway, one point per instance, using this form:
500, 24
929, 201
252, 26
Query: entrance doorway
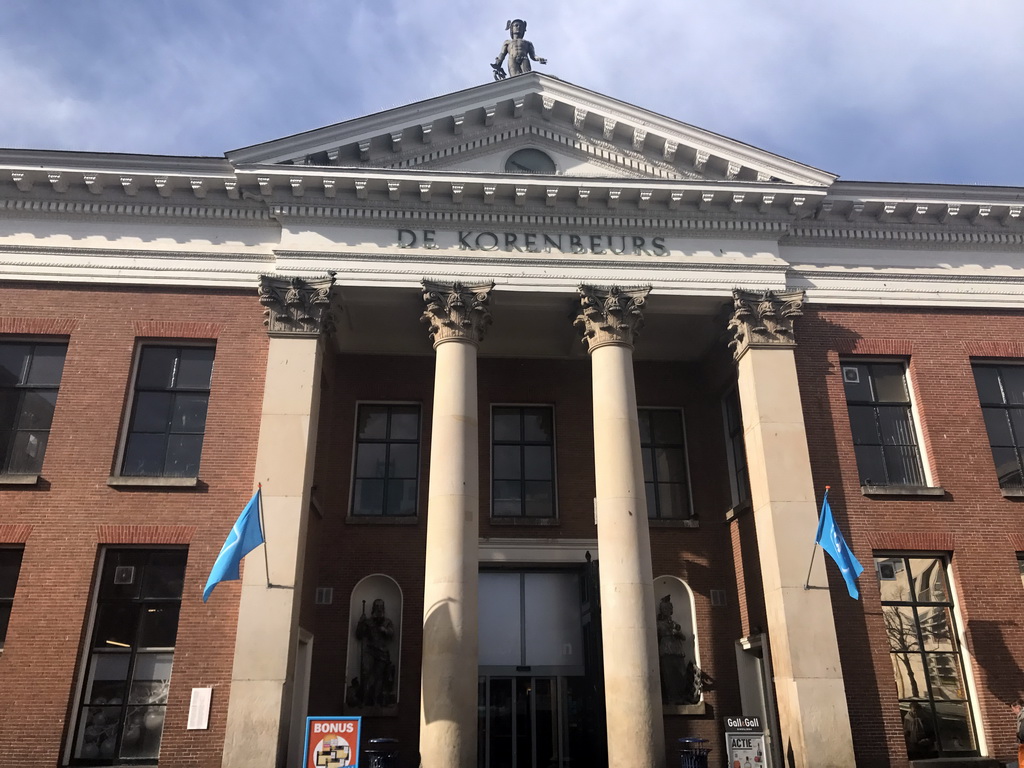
541, 695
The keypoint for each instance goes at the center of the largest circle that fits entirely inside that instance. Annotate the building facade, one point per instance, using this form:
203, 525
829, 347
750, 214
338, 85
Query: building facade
543, 392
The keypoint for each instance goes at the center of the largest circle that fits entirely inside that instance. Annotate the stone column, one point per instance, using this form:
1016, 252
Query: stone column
609, 320
457, 316
259, 708
809, 684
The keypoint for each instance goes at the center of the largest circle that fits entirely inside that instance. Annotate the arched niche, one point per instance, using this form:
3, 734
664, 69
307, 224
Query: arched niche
374, 646
678, 647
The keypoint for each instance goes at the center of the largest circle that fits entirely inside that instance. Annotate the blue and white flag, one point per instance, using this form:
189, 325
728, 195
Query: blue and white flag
832, 541
245, 536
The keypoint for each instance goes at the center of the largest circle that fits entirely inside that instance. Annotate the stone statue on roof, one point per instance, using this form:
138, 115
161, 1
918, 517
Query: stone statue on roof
518, 50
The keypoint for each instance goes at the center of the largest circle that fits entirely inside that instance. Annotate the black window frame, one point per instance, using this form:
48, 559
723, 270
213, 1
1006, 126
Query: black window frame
735, 447
911, 643
893, 449
111, 602
387, 478
23, 388
652, 481
523, 443
11, 558
175, 391
1012, 422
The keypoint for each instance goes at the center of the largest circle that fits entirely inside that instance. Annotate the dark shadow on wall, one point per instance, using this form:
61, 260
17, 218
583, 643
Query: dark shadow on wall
822, 394
1001, 671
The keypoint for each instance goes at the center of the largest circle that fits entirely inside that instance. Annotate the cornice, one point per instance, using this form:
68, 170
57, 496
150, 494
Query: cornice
388, 261
897, 277
510, 216
112, 208
917, 238
134, 253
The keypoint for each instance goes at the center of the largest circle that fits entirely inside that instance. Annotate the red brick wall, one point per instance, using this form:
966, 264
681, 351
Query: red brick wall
971, 521
349, 551
72, 511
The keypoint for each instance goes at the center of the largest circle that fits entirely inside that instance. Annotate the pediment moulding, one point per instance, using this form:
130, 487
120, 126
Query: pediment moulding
415, 128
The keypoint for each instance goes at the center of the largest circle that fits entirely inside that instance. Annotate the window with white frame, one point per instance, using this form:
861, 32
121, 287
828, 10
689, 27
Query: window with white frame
387, 459
1001, 393
10, 566
924, 646
882, 422
666, 476
128, 661
30, 374
736, 453
522, 461
168, 412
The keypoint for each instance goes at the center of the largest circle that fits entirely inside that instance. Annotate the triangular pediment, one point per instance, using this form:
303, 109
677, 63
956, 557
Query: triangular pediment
585, 134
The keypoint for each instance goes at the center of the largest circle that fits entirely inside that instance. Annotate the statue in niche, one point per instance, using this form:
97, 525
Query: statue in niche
375, 687
677, 675
518, 50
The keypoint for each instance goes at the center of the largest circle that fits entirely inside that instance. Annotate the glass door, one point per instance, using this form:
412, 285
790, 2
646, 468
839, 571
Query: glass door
520, 723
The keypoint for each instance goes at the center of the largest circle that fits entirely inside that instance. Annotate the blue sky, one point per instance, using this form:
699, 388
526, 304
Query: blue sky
887, 90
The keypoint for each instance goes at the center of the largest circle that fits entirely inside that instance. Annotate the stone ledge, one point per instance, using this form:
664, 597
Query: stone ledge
19, 479
957, 762
524, 521
692, 522
902, 490
1012, 493
684, 709
120, 481
382, 520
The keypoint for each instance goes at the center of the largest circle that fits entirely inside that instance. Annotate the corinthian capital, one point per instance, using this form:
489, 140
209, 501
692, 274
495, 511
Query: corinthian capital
610, 315
296, 306
763, 319
456, 311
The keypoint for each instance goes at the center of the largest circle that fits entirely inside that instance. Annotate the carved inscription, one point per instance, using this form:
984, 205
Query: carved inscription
534, 242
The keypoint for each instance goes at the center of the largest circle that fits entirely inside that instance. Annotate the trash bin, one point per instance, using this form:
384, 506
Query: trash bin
693, 753
381, 753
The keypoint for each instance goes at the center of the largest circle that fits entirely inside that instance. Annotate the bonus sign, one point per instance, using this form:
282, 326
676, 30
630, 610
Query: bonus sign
331, 742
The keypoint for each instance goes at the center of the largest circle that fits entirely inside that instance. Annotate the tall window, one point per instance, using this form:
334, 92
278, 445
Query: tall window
130, 655
29, 378
1001, 391
663, 448
739, 479
523, 450
10, 565
168, 418
387, 460
917, 608
884, 437
1020, 565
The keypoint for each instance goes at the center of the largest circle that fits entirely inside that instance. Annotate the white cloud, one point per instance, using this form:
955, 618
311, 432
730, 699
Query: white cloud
874, 89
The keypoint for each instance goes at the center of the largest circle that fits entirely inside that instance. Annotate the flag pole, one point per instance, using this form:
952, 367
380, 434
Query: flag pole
263, 527
814, 546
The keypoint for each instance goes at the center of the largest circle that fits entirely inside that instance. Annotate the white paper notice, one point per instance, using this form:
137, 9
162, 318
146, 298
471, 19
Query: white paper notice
199, 709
